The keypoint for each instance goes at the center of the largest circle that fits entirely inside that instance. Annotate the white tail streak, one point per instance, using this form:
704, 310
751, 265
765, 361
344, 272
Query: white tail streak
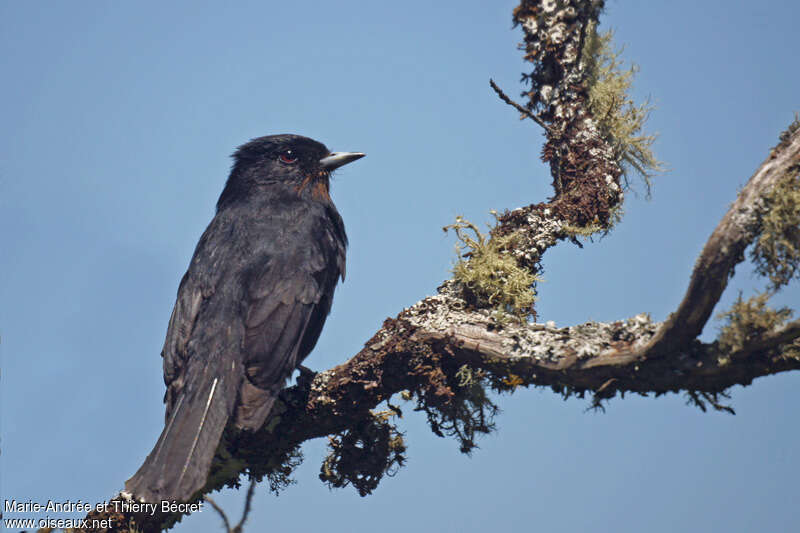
160, 444
199, 430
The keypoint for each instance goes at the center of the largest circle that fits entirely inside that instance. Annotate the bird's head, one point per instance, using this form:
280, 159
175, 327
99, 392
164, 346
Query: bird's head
288, 160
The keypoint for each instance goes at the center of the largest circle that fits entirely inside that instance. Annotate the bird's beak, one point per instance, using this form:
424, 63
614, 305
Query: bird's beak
336, 159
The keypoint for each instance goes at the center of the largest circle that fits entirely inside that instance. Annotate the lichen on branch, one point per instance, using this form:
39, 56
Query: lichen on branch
489, 274
748, 320
619, 119
776, 253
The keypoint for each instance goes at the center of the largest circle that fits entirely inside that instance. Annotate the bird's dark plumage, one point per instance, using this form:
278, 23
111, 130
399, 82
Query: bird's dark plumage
250, 307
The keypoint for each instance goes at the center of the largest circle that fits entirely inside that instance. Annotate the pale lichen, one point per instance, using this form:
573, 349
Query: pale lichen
619, 119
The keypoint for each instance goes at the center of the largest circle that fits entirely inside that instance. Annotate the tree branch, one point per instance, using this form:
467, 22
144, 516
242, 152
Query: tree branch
445, 351
723, 251
789, 333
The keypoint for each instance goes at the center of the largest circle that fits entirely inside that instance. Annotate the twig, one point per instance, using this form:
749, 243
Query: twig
221, 513
504, 97
247, 506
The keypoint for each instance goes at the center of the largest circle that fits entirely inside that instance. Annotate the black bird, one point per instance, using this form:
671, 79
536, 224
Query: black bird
250, 307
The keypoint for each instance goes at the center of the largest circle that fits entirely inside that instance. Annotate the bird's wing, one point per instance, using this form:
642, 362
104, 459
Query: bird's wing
277, 318
181, 325
286, 308
206, 275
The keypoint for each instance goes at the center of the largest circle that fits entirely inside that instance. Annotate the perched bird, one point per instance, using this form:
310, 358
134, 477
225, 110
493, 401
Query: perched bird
250, 307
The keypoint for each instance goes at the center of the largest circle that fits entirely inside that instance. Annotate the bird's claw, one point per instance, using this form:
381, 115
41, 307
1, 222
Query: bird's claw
306, 377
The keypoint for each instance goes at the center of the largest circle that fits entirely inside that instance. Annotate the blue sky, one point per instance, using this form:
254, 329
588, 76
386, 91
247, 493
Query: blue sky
118, 122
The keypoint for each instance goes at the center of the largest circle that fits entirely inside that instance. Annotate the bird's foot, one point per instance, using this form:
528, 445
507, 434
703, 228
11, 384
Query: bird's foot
305, 378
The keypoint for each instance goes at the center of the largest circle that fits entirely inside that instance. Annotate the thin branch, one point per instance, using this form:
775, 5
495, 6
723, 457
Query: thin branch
247, 506
221, 513
504, 97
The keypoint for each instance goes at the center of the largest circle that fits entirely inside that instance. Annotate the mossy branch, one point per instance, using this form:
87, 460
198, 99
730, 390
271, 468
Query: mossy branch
619, 119
776, 253
489, 273
748, 320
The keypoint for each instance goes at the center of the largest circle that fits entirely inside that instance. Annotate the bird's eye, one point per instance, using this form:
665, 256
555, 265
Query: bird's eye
287, 157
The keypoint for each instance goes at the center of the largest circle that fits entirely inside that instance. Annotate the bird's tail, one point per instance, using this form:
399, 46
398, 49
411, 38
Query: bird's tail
179, 464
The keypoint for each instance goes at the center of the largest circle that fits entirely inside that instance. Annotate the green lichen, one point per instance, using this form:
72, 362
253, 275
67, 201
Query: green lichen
489, 273
465, 376
749, 319
776, 254
583, 231
619, 119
